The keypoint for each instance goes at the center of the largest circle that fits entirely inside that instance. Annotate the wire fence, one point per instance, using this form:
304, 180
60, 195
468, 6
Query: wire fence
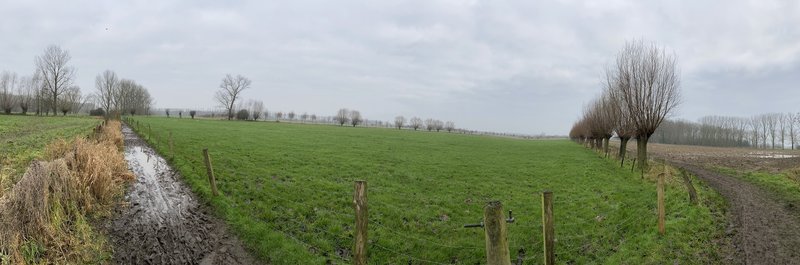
589, 224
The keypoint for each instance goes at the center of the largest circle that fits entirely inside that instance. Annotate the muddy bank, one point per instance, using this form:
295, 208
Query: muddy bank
163, 223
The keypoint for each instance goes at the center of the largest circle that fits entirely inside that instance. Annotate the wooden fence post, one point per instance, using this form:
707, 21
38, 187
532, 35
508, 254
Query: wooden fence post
149, 131
548, 229
210, 172
688, 182
496, 234
661, 210
360, 205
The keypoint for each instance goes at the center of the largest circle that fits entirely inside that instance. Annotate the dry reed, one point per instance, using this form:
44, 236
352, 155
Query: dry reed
49, 205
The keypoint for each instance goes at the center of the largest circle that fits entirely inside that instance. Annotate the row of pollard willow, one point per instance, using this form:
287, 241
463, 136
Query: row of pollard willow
494, 223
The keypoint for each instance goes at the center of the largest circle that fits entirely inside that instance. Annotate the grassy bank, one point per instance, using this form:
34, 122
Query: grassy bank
287, 191
47, 216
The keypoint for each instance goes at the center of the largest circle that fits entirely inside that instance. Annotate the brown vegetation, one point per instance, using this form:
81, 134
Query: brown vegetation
44, 215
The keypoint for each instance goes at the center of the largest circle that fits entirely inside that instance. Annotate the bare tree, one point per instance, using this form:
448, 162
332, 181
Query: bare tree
56, 75
600, 117
314, 118
256, 108
122, 96
791, 119
26, 90
167, 111
342, 116
399, 121
291, 115
278, 116
782, 125
619, 112
106, 85
648, 81
438, 125
415, 123
192, 113
72, 95
8, 81
304, 116
355, 118
231, 88
755, 127
449, 126
771, 121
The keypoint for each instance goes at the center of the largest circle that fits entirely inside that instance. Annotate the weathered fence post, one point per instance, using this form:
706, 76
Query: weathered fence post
149, 131
661, 210
496, 234
548, 231
210, 172
688, 182
360, 205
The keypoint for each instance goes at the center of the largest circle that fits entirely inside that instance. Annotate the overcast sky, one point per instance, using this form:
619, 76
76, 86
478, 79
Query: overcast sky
509, 66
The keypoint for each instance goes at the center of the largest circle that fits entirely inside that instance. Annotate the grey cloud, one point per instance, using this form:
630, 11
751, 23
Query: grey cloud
517, 66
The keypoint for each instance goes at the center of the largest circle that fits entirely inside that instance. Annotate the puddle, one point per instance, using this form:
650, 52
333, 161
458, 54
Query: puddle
163, 223
771, 155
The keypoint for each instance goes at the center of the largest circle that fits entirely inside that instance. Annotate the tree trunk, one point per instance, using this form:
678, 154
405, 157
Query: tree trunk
641, 143
623, 144
605, 145
55, 104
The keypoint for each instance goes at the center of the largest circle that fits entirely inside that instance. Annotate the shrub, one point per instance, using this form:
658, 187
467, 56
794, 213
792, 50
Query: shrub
192, 113
242, 115
97, 112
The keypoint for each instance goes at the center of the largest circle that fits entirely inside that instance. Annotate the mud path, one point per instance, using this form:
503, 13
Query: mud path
163, 222
765, 230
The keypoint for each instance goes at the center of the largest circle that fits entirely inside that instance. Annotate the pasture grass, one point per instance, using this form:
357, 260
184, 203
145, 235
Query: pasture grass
287, 189
23, 139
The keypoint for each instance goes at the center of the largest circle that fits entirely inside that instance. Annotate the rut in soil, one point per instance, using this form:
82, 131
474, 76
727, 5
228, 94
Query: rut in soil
163, 222
764, 229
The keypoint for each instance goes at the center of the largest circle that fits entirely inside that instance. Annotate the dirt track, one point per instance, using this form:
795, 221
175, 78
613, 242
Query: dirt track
164, 223
765, 231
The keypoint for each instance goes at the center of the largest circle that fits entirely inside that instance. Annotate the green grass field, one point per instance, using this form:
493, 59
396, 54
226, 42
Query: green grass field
287, 192
23, 138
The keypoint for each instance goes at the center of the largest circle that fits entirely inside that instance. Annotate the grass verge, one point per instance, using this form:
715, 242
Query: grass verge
785, 185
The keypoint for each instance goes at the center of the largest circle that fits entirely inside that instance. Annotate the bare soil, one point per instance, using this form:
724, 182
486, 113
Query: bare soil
163, 223
743, 159
763, 229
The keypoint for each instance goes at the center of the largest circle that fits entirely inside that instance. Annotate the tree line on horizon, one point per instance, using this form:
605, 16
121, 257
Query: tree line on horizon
769, 130
52, 89
230, 93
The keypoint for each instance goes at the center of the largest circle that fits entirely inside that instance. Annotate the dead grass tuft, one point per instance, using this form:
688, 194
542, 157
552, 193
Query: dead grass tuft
794, 174
112, 133
44, 215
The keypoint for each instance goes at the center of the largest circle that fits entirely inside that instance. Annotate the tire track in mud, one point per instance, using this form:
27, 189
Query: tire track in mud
163, 222
764, 230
